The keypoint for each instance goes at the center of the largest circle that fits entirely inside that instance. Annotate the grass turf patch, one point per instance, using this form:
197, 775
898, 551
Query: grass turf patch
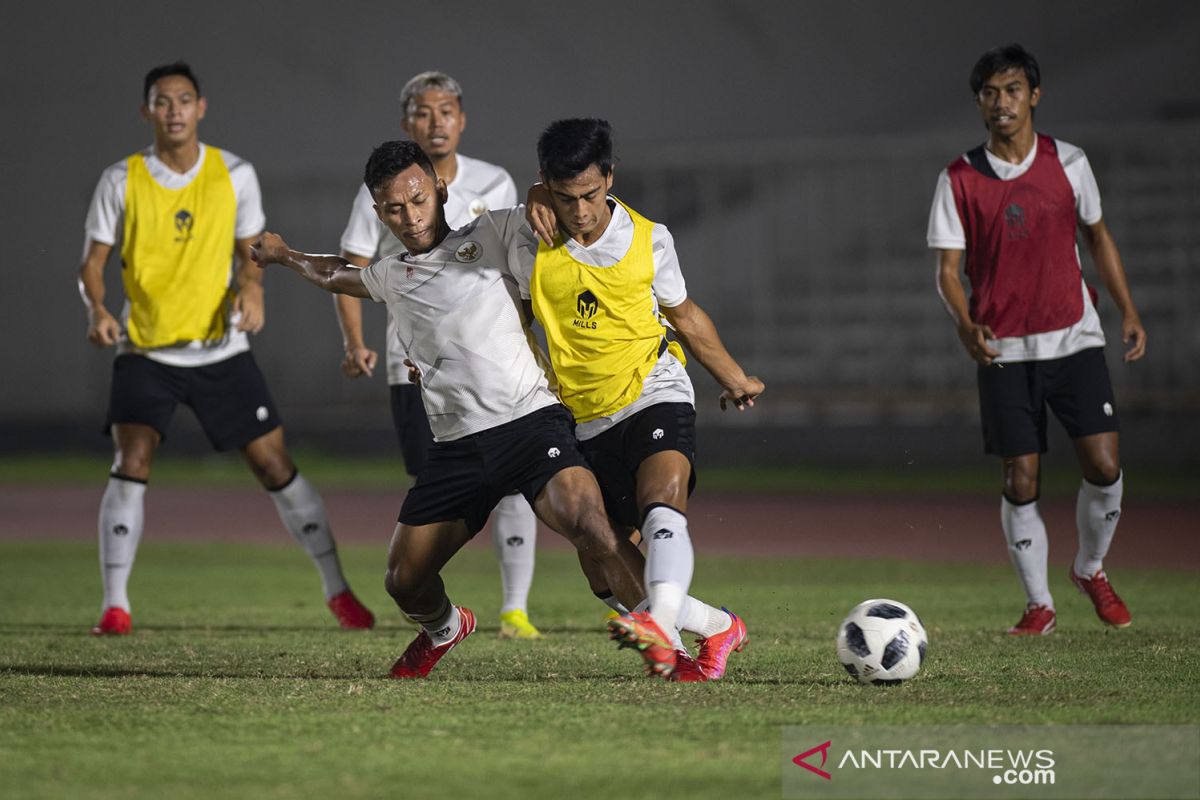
237, 683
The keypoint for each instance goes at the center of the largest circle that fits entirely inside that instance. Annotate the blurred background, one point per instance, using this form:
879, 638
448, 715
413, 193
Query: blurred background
792, 148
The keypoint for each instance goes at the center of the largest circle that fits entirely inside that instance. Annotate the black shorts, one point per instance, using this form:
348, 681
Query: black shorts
1013, 401
465, 478
412, 426
616, 454
230, 398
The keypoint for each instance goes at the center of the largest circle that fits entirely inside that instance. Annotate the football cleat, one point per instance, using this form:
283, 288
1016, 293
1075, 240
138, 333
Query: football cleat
1036, 621
1110, 608
515, 624
715, 649
687, 669
113, 622
421, 655
350, 613
639, 630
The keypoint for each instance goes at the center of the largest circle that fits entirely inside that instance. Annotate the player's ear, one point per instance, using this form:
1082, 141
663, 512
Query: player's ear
201, 108
1034, 96
404, 126
462, 119
443, 192
146, 112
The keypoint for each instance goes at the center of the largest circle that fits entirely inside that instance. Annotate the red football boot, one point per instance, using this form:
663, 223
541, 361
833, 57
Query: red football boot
687, 669
715, 649
1036, 621
639, 630
350, 613
114, 622
421, 655
1109, 608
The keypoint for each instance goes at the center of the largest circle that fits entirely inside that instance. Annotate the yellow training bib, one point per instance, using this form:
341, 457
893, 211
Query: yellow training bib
603, 333
177, 254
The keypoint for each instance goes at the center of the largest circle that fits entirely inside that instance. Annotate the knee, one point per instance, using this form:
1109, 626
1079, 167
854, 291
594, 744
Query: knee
132, 463
1102, 471
273, 470
400, 583
1021, 486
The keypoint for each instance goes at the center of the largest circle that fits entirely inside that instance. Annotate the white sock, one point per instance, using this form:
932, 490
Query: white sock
122, 513
442, 626
303, 514
669, 563
702, 619
1028, 548
671, 632
612, 602
514, 533
1097, 511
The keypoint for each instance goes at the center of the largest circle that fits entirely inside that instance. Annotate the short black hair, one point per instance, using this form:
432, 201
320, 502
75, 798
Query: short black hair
176, 68
1002, 59
569, 146
391, 158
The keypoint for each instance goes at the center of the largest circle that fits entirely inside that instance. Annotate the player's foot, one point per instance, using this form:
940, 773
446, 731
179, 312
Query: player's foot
1109, 608
350, 613
715, 649
421, 655
687, 669
639, 630
113, 622
515, 624
1036, 621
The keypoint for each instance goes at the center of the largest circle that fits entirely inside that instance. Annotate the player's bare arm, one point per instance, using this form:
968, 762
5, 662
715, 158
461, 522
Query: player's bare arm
248, 303
695, 329
332, 273
103, 328
359, 359
1107, 259
974, 337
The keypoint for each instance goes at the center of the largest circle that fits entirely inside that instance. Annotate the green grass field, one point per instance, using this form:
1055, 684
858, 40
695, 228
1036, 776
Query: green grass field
237, 684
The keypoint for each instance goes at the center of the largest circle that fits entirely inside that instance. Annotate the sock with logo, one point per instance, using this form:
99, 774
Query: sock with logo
1097, 511
1028, 547
609, 599
303, 514
669, 562
442, 625
514, 533
702, 619
122, 512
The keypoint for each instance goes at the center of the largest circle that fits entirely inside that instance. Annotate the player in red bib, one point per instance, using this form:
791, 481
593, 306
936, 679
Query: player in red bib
1012, 207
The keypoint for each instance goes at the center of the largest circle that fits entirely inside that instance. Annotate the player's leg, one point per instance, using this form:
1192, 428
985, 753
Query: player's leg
514, 536
235, 409
416, 556
142, 399
1013, 416
1082, 399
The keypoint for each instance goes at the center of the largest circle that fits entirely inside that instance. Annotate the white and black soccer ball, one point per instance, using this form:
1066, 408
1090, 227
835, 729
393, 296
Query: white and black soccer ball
881, 641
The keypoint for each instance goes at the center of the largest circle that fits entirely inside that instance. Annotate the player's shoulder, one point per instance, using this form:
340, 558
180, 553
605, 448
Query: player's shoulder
479, 174
233, 162
1068, 153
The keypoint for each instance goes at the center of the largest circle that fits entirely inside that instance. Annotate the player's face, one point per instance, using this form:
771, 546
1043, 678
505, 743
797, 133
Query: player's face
410, 205
436, 123
581, 203
174, 109
1006, 102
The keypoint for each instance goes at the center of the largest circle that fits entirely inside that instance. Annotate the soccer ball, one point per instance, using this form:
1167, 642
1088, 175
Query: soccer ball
881, 641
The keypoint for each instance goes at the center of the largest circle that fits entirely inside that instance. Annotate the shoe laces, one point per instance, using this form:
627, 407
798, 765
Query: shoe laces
1102, 591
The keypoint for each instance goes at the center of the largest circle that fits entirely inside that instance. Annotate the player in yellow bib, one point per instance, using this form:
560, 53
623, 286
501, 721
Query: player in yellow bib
601, 283
185, 214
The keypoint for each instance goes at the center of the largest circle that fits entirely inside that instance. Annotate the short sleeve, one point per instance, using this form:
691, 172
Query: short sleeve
361, 236
945, 226
669, 287
1087, 193
251, 220
106, 214
375, 278
522, 252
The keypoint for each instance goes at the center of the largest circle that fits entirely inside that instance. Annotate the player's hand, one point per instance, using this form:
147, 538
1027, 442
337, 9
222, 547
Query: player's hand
251, 309
1132, 331
414, 372
359, 361
269, 249
103, 328
742, 396
975, 339
540, 214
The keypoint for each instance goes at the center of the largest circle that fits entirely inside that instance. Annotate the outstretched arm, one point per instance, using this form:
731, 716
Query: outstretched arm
697, 332
359, 359
103, 328
1112, 274
334, 274
954, 298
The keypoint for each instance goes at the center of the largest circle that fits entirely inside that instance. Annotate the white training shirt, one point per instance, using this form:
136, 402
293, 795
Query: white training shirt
668, 381
477, 187
946, 233
106, 223
456, 312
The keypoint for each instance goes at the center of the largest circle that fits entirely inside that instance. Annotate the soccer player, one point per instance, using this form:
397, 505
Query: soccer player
185, 214
497, 426
1010, 208
433, 117
598, 283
